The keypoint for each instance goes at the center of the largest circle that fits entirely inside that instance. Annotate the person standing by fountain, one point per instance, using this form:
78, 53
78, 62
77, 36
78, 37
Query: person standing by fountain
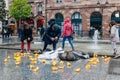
114, 37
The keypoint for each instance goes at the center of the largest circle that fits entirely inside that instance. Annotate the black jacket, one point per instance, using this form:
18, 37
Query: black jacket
49, 32
26, 33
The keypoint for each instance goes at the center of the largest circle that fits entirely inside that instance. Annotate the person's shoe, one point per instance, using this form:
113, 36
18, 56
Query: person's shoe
29, 51
21, 51
73, 49
40, 51
116, 56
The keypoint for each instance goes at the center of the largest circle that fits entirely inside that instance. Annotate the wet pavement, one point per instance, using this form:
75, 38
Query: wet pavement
101, 71
102, 47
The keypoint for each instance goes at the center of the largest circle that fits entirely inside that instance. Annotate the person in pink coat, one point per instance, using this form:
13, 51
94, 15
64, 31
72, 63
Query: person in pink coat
66, 33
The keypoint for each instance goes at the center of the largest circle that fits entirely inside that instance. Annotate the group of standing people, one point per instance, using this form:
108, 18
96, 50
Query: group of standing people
50, 35
53, 32
6, 32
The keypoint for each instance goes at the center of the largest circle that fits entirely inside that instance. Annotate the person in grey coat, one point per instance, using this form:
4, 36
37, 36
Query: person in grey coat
114, 37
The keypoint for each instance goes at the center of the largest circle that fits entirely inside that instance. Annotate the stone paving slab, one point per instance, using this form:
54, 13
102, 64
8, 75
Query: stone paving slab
9, 71
98, 72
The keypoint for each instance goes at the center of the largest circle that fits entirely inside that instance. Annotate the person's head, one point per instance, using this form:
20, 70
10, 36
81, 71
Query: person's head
67, 20
112, 23
27, 26
51, 21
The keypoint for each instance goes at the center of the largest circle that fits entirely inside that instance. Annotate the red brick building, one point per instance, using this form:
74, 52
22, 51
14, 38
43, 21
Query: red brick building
84, 14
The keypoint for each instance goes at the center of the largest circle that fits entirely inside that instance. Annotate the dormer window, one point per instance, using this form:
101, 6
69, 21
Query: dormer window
76, 0
59, 1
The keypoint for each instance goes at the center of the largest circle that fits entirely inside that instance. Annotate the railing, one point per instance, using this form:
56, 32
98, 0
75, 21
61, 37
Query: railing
83, 33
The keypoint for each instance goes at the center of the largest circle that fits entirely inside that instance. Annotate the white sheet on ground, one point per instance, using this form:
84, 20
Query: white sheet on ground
51, 54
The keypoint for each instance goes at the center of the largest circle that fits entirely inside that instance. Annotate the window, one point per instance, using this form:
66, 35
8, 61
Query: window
58, 1
39, 9
76, 16
76, 0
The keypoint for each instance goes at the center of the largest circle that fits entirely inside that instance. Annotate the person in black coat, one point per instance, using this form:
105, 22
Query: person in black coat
26, 34
52, 34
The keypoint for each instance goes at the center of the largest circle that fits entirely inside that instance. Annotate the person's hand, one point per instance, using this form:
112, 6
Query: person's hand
56, 38
52, 39
28, 38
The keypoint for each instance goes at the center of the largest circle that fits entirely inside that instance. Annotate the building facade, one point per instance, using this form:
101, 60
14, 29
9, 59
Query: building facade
37, 14
85, 15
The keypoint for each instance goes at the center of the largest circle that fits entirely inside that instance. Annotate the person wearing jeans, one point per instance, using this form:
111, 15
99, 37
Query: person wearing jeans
66, 33
69, 40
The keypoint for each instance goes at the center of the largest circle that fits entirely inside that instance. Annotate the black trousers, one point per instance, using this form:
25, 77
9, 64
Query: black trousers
46, 44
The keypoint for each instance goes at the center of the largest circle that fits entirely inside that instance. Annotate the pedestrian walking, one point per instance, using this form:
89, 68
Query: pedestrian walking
26, 35
67, 32
114, 37
51, 34
4, 32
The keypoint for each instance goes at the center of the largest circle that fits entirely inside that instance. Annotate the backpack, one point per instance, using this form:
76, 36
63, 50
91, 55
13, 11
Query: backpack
5, 31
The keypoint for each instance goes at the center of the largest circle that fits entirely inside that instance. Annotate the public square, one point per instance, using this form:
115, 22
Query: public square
92, 24
101, 71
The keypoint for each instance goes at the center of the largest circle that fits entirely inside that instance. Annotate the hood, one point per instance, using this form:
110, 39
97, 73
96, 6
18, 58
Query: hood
67, 20
51, 22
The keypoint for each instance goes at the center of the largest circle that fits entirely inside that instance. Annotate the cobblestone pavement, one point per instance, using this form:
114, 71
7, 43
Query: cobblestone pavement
101, 71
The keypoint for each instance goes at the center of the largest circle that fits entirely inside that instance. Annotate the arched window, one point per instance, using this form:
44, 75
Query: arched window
77, 23
116, 16
96, 19
76, 16
76, 0
96, 22
59, 19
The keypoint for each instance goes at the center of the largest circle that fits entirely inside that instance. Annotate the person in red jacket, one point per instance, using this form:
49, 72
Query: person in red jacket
67, 32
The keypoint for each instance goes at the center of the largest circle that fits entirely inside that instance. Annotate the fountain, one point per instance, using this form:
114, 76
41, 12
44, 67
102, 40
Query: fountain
95, 40
95, 37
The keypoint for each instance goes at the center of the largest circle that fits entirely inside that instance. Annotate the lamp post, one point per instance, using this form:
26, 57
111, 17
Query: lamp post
45, 5
102, 7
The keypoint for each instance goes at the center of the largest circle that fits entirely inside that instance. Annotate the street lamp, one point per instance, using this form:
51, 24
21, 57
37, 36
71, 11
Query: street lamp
45, 5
